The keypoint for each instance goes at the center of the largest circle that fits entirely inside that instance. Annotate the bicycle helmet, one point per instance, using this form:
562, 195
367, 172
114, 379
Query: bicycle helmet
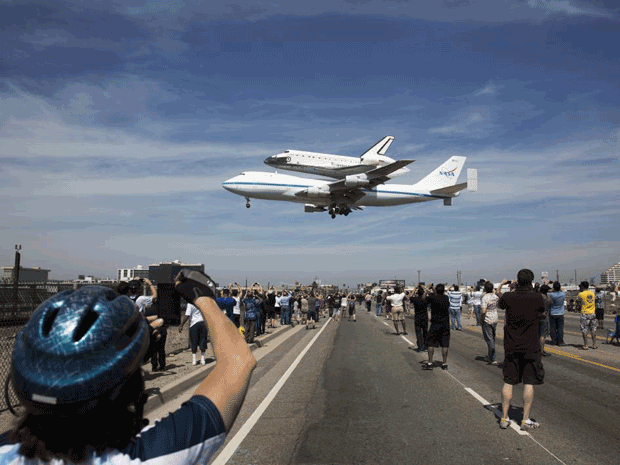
78, 345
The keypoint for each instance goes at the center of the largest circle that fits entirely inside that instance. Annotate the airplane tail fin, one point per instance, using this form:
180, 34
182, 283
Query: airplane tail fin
380, 147
444, 176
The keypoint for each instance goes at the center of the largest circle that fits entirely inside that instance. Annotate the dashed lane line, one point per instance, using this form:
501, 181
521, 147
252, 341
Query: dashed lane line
492, 408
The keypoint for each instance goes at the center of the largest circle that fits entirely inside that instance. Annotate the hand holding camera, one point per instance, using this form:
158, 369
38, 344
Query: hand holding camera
192, 285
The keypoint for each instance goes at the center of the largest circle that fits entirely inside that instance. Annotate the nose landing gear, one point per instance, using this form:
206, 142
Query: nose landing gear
247, 205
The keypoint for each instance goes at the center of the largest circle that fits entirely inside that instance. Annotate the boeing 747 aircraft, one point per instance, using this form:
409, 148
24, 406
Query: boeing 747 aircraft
335, 166
354, 192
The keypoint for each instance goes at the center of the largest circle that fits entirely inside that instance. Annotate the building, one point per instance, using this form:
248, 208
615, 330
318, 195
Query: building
127, 274
612, 275
165, 272
26, 275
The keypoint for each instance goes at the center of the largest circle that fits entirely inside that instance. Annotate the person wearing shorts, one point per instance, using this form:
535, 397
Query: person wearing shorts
398, 312
351, 302
587, 321
522, 363
439, 331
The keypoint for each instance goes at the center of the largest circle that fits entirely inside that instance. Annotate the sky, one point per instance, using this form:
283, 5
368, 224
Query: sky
119, 121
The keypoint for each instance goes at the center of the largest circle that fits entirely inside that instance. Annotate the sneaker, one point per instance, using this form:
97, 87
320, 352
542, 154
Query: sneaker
195, 362
444, 366
428, 366
504, 423
494, 363
530, 423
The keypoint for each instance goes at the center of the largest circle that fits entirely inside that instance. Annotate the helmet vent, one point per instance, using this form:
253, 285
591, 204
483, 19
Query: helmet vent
87, 322
50, 317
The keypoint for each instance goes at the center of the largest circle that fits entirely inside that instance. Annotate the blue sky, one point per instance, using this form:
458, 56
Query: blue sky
120, 120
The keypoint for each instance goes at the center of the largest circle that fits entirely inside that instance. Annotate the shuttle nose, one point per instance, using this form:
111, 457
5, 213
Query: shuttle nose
276, 160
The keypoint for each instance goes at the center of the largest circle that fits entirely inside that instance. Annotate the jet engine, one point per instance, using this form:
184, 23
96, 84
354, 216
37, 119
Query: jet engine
356, 180
309, 208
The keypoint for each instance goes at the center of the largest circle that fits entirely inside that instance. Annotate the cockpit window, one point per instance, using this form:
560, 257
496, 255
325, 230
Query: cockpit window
286, 151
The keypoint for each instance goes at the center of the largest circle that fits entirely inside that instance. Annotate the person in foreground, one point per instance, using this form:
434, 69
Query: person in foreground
77, 370
522, 362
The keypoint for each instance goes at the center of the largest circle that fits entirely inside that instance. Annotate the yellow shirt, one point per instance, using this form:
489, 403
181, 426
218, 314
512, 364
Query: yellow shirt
587, 302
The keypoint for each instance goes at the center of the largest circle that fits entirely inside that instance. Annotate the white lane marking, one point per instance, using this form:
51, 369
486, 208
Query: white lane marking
498, 414
234, 443
484, 402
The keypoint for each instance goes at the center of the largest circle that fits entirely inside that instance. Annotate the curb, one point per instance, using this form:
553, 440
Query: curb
157, 398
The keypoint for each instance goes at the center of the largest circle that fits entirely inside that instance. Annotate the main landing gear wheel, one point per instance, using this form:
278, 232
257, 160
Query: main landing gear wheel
247, 205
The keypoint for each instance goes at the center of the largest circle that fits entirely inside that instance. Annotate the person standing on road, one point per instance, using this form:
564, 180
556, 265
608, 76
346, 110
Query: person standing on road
252, 304
439, 332
378, 303
285, 309
522, 360
226, 303
351, 305
312, 311
270, 308
236, 294
398, 312
420, 308
344, 304
475, 300
278, 307
198, 332
456, 300
489, 318
368, 300
587, 321
599, 307
544, 323
556, 314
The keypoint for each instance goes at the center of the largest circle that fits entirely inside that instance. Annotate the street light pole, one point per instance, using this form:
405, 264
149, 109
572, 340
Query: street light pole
18, 257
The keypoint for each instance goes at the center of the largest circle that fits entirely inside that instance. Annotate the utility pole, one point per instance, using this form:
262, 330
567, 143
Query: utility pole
419, 277
458, 278
575, 277
557, 275
18, 257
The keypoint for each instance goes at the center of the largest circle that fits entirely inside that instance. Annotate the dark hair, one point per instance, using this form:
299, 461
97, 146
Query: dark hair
488, 287
63, 436
478, 287
420, 291
440, 288
397, 290
235, 292
584, 284
123, 288
226, 291
456, 287
556, 286
525, 277
544, 289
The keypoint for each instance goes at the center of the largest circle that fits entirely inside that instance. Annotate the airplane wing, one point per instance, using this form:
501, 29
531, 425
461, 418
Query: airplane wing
369, 179
350, 189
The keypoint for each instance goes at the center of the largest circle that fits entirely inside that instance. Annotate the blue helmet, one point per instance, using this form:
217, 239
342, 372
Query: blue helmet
77, 345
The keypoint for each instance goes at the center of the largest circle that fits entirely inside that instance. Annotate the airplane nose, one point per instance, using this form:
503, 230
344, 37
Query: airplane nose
276, 160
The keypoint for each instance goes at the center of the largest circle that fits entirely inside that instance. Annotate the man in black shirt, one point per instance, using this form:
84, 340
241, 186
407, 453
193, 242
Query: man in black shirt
421, 318
524, 310
439, 332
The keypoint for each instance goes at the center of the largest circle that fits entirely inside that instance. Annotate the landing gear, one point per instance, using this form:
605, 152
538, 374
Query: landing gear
247, 205
339, 210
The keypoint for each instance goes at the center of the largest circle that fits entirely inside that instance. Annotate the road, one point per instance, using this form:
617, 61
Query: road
353, 392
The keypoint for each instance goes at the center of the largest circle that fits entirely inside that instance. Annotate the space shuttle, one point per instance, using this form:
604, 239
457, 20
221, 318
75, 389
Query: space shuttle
336, 166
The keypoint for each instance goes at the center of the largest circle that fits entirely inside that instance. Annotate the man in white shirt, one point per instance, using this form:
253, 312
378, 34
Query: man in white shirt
456, 300
398, 313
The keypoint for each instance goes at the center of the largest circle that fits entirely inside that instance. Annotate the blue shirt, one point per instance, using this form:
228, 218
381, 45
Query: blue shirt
227, 304
252, 308
189, 435
285, 301
557, 303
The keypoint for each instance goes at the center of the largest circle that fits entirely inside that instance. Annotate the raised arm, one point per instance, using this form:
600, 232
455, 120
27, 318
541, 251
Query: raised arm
153, 289
227, 384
